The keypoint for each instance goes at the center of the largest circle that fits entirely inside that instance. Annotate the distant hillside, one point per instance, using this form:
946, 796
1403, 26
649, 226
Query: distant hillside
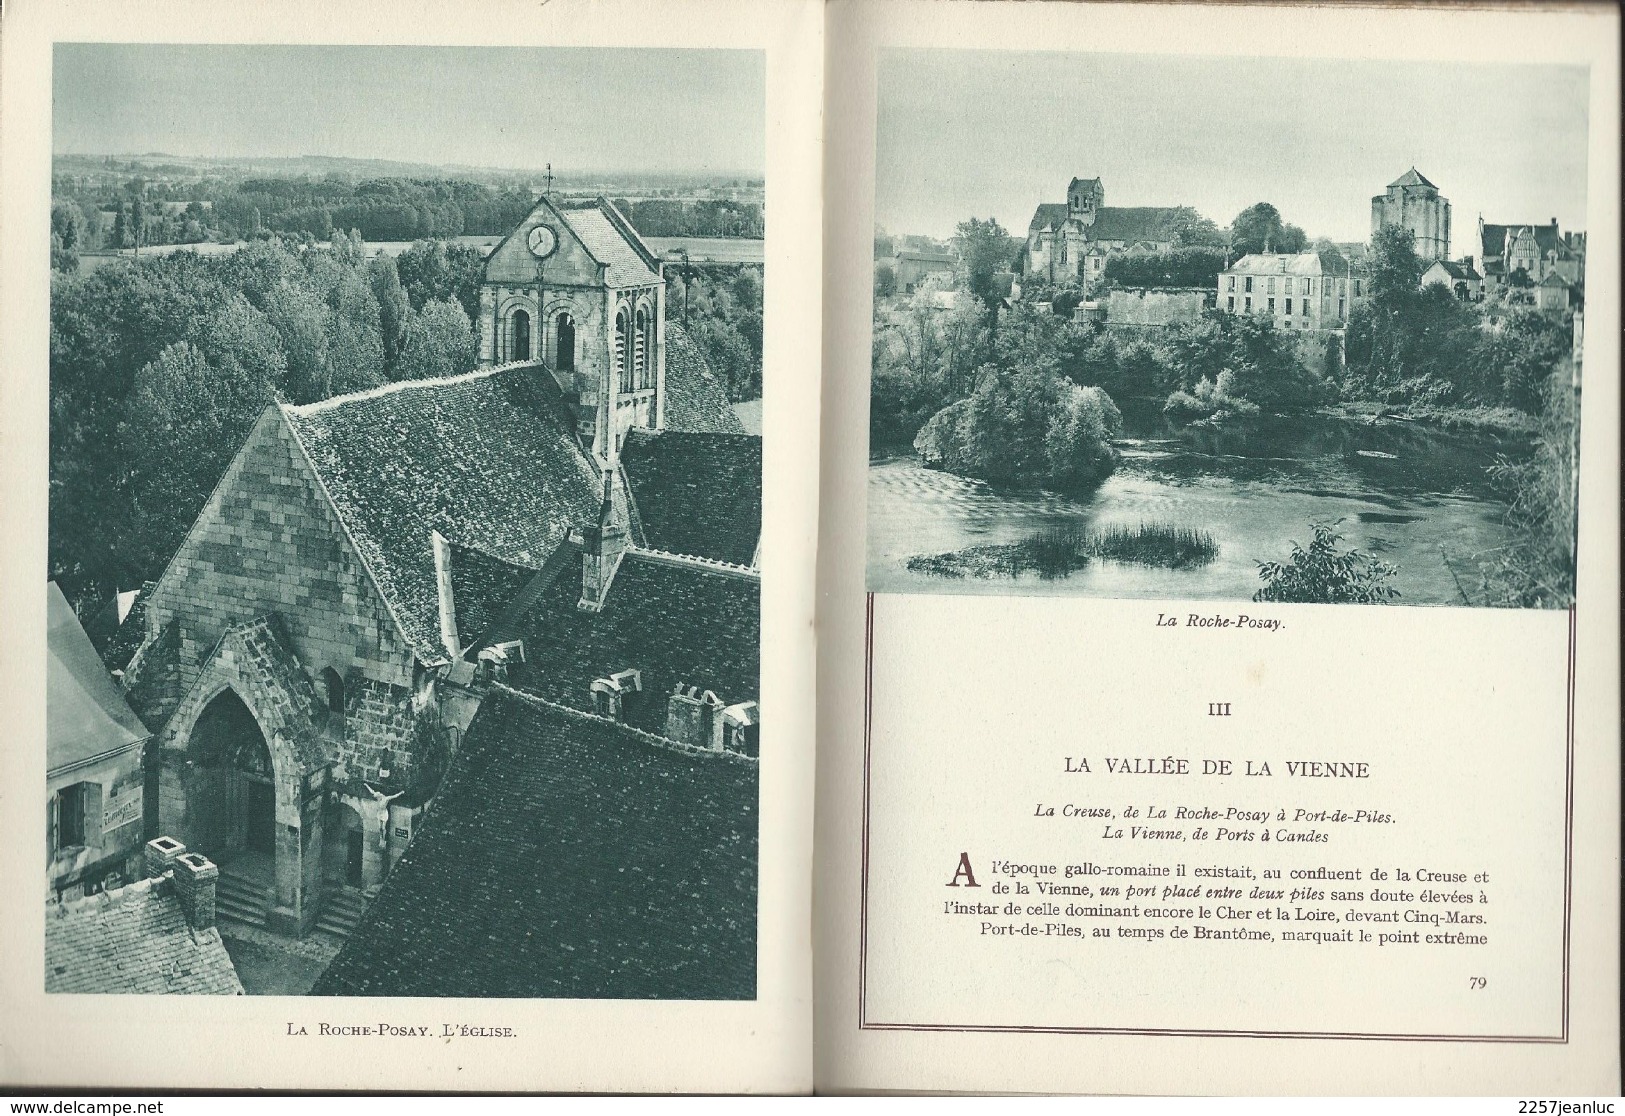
162, 166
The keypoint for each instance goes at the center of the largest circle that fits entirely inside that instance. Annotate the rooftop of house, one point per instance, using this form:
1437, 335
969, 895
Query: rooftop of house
1289, 263
1456, 270
696, 399
85, 714
488, 459
1553, 279
1497, 240
568, 856
925, 257
697, 493
134, 939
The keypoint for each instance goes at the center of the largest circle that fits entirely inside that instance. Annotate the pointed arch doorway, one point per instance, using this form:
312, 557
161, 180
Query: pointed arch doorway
233, 804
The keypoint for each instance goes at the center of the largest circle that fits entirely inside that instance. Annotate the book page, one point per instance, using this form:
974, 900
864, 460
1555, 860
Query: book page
411, 474
1213, 695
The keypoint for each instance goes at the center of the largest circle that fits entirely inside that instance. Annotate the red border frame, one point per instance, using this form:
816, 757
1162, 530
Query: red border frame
864, 1024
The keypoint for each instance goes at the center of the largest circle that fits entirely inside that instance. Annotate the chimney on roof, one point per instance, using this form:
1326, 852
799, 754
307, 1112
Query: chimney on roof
601, 549
160, 856
195, 876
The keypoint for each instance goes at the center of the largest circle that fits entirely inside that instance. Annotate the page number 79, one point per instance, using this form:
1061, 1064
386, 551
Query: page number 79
1476, 983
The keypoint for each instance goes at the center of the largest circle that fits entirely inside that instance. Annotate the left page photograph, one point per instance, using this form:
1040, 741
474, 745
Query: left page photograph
403, 494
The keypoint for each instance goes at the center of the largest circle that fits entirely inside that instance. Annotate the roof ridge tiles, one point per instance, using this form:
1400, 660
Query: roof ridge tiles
125, 894
715, 565
654, 739
335, 401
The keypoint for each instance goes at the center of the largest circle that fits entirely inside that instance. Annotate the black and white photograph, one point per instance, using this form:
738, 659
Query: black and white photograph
404, 573
1227, 328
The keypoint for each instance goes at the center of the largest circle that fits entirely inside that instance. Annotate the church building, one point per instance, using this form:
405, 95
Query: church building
1070, 240
316, 649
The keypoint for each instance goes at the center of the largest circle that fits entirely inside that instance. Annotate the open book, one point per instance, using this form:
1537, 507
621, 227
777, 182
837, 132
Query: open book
732, 547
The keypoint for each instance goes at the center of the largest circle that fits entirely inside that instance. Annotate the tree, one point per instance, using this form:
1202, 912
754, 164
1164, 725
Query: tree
68, 223
1192, 230
1537, 569
239, 340
1321, 573
302, 322
984, 249
440, 342
1259, 228
356, 342
885, 281
393, 308
1026, 424
1395, 268
1181, 267
186, 420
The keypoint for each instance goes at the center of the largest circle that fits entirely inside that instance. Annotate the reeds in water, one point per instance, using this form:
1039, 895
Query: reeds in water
1154, 544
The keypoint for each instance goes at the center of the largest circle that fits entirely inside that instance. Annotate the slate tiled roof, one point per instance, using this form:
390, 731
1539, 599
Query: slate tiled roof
1154, 224
1457, 270
1147, 222
566, 857
1411, 178
1048, 215
487, 459
85, 714
925, 257
1289, 263
695, 399
134, 939
697, 493
674, 621
482, 586
610, 245
1495, 241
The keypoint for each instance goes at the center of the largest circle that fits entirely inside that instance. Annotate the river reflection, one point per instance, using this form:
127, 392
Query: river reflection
1417, 497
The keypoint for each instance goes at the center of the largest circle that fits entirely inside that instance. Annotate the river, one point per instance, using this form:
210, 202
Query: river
1416, 497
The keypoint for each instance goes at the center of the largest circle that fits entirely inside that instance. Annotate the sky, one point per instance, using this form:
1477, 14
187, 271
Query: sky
582, 109
993, 133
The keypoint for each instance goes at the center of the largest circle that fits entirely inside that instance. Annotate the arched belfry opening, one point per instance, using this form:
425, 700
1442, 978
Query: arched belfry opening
564, 329
521, 335
644, 346
623, 369
232, 804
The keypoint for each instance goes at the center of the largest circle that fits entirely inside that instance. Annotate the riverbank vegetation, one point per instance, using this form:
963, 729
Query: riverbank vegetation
1325, 573
1025, 424
1054, 552
1423, 349
1537, 569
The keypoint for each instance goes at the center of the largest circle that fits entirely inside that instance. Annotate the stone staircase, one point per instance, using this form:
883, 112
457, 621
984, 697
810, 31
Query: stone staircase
341, 910
241, 898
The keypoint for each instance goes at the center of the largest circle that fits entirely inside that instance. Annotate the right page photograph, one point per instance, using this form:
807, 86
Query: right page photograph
1226, 658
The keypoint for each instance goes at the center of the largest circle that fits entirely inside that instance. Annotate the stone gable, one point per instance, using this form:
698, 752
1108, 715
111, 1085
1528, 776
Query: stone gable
269, 543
